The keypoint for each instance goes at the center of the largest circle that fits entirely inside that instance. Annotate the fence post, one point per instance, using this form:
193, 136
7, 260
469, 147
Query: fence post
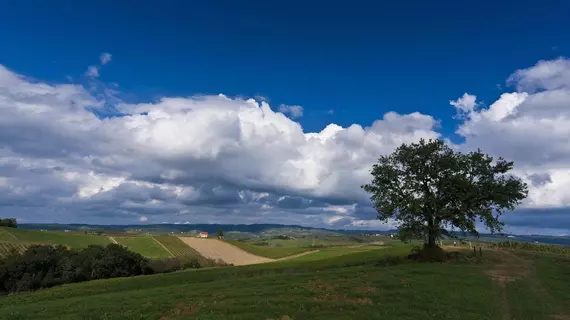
481, 251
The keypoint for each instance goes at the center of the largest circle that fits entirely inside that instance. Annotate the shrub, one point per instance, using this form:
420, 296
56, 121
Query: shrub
173, 264
9, 222
44, 266
428, 254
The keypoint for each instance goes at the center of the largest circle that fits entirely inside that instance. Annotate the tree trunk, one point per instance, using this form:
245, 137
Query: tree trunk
432, 237
432, 233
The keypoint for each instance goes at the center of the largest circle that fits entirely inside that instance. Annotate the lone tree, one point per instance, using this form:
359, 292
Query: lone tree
220, 233
429, 188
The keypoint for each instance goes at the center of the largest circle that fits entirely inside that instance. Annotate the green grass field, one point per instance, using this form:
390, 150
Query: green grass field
269, 252
330, 286
146, 246
178, 248
70, 239
351, 282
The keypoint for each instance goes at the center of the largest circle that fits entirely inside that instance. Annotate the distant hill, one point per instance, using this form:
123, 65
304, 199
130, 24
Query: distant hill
210, 228
264, 229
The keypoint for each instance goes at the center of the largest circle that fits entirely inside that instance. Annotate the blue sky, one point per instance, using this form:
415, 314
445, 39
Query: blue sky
343, 64
360, 60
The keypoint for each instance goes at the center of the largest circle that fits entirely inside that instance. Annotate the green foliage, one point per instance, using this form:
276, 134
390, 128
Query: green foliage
44, 266
429, 188
166, 265
9, 222
220, 233
282, 237
147, 246
428, 254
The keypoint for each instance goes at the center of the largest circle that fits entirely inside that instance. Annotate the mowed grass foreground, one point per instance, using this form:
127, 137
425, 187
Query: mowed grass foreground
361, 285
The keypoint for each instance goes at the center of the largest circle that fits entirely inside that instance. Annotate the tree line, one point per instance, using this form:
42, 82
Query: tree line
44, 266
9, 222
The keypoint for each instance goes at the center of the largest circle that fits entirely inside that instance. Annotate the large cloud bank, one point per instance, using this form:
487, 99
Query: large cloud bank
229, 160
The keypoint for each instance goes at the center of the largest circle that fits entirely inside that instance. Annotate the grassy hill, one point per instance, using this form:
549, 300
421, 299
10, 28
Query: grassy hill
340, 283
146, 246
70, 239
269, 252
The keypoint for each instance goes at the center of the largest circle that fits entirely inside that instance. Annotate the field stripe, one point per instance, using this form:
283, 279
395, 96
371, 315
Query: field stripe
113, 240
297, 255
165, 248
9, 233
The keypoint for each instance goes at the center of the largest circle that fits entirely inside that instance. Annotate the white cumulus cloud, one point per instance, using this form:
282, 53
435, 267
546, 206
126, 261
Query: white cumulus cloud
232, 160
293, 111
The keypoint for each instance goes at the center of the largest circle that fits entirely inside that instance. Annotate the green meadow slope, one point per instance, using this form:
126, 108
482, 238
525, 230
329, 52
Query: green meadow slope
338, 283
146, 246
70, 239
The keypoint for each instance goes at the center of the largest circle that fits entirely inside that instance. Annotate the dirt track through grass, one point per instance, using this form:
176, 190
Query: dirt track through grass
523, 295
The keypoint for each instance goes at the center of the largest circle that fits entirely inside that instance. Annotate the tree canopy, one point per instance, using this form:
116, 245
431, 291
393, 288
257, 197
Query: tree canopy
431, 190
9, 222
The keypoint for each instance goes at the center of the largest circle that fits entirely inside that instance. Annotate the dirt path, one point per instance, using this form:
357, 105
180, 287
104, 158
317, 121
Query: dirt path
113, 240
511, 268
216, 249
297, 255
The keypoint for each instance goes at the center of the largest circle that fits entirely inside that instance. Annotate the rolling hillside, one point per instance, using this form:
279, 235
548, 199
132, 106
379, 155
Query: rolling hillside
338, 283
70, 239
146, 246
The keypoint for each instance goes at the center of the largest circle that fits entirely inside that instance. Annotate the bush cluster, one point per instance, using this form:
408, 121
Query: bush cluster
173, 264
44, 266
8, 222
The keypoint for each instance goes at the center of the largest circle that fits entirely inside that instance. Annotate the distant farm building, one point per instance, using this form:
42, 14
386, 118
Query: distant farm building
203, 235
